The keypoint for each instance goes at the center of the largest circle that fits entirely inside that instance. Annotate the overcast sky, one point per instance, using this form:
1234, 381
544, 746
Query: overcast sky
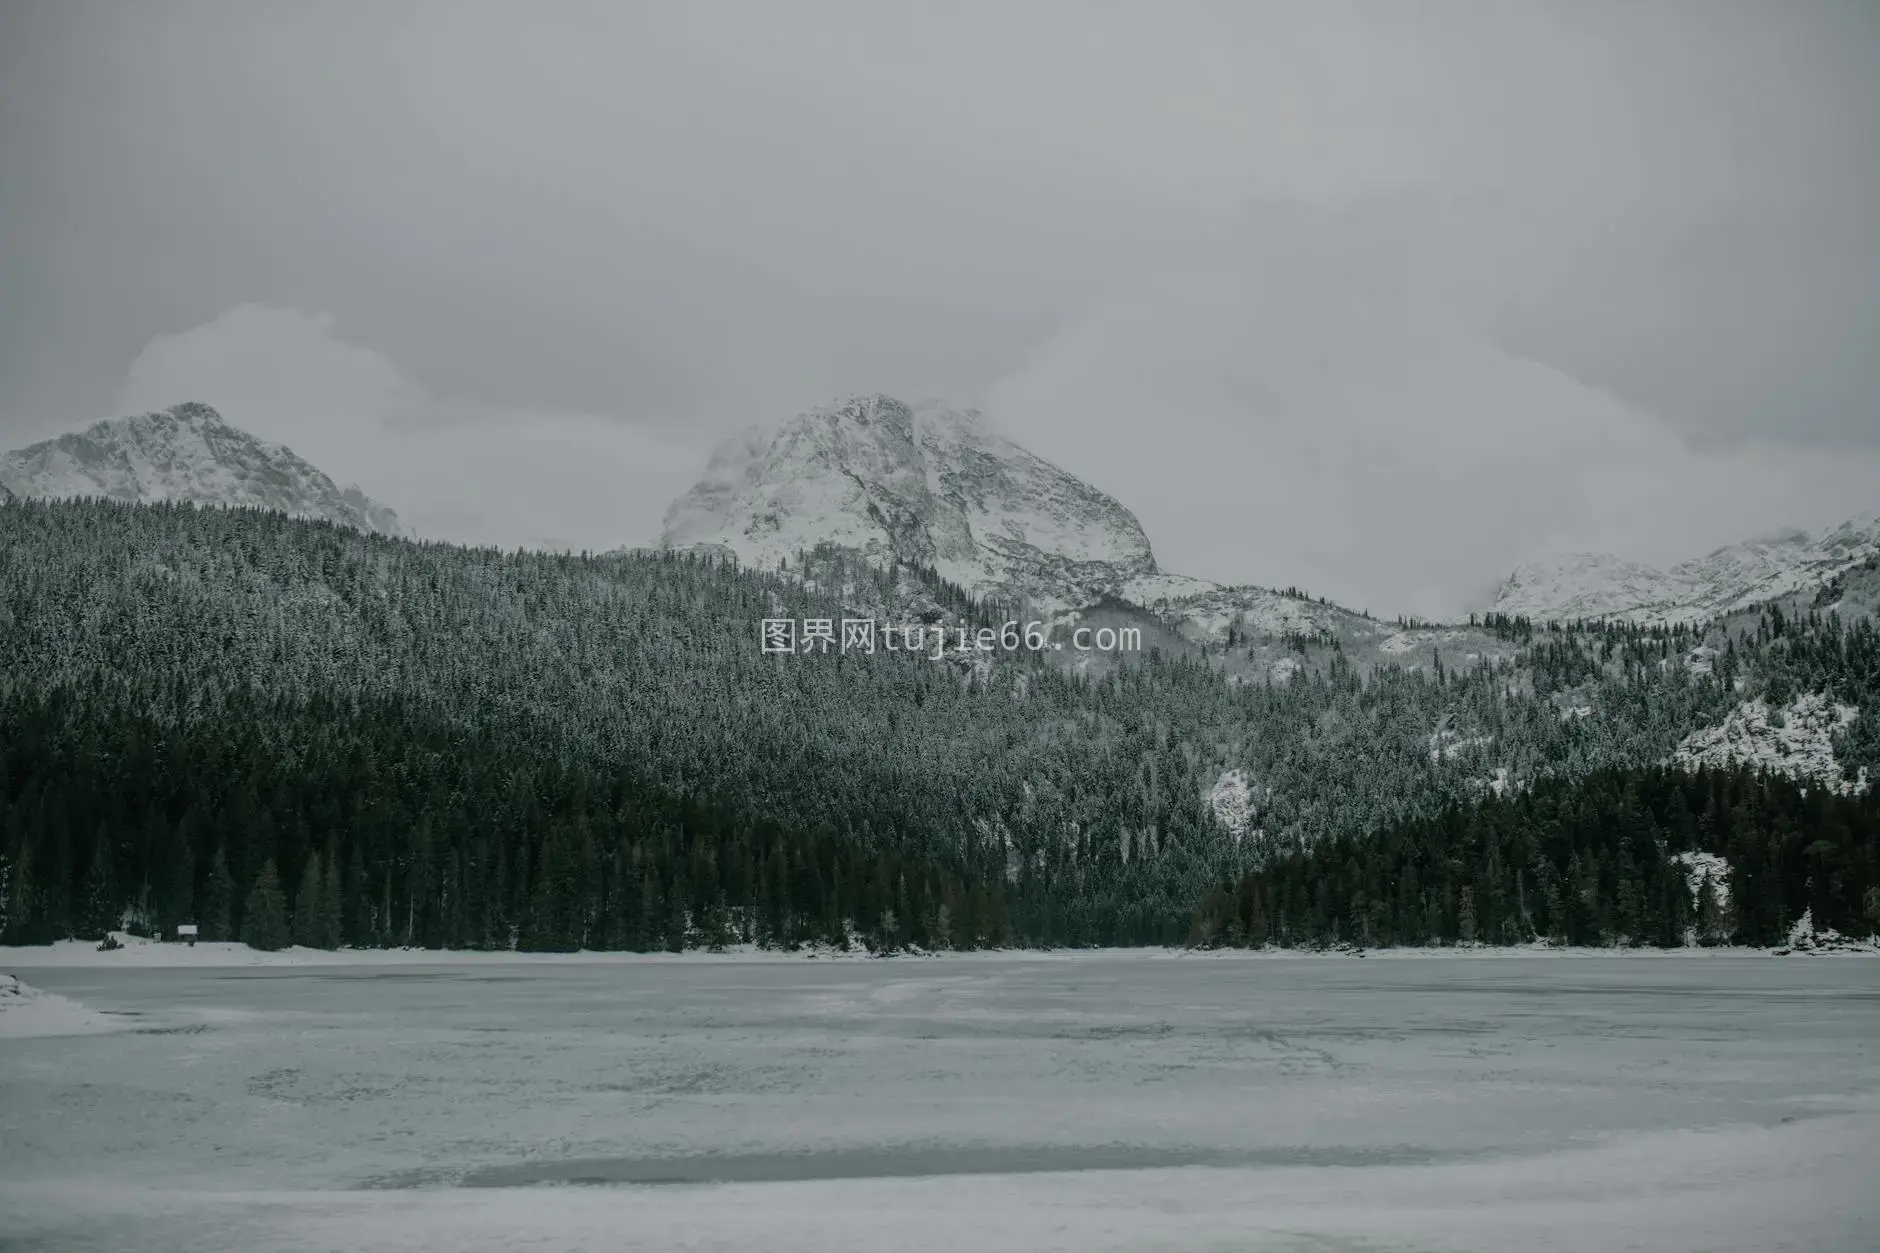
1374, 299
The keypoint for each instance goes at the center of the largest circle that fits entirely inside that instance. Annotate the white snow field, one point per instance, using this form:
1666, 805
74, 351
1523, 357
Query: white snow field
992, 1102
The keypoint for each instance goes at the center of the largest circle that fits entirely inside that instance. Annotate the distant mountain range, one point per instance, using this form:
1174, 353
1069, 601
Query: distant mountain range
937, 487
1599, 585
187, 453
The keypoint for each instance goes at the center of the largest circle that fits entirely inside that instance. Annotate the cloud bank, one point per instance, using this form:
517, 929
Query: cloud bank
453, 470
1329, 410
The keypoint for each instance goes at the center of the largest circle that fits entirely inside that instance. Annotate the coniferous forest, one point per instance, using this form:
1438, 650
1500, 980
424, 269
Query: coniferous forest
327, 823
1587, 862
288, 732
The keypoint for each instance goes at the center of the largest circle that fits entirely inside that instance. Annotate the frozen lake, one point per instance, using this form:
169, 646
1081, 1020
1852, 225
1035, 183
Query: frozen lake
1104, 1101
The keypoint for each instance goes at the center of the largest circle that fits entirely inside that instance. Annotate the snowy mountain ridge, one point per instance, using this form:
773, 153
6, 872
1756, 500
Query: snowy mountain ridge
1599, 585
938, 486
187, 453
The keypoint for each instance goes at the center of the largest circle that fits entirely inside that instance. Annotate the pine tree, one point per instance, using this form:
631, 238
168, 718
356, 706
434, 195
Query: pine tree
652, 919
56, 880
715, 928
176, 884
99, 906
355, 927
305, 920
218, 899
1711, 927
264, 917
678, 921
19, 911
329, 931
316, 905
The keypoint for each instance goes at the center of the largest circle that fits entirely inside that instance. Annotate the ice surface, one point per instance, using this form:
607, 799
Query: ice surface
999, 1101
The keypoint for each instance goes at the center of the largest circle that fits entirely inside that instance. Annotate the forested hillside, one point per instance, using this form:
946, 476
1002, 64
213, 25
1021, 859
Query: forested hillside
422, 717
364, 822
1589, 861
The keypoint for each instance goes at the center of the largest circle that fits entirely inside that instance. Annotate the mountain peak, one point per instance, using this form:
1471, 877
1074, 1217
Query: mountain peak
186, 453
194, 411
929, 484
877, 407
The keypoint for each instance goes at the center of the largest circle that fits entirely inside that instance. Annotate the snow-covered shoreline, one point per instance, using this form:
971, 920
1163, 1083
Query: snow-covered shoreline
149, 954
27, 1013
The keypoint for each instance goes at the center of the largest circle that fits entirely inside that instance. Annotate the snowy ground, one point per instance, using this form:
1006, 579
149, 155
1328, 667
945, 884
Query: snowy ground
1101, 1101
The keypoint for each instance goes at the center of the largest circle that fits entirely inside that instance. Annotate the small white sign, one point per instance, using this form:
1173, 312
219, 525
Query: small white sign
185, 930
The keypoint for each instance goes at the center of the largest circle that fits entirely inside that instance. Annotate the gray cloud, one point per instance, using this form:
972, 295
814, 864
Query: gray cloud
1321, 406
1623, 235
453, 468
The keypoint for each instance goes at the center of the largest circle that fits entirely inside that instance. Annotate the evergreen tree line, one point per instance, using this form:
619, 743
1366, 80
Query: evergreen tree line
366, 824
1588, 861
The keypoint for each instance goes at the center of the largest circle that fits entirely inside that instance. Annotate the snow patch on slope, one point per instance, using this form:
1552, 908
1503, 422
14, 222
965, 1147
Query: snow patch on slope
1797, 741
1209, 610
1231, 802
1283, 670
1697, 868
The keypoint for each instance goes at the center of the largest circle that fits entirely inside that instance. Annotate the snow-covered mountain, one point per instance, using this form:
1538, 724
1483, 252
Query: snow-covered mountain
932, 486
186, 453
1597, 585
938, 486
